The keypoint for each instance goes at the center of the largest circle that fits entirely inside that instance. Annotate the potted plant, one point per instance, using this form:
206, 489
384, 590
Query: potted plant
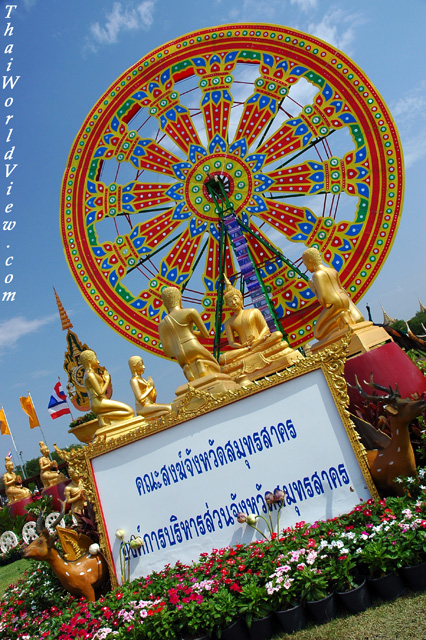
412, 550
285, 599
257, 608
211, 615
316, 591
381, 557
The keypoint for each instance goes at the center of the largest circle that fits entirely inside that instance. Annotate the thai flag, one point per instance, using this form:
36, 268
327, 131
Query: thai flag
58, 402
9, 455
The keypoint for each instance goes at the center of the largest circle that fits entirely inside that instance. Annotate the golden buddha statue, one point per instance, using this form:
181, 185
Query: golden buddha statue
74, 493
96, 384
145, 392
255, 351
180, 340
49, 474
13, 484
339, 312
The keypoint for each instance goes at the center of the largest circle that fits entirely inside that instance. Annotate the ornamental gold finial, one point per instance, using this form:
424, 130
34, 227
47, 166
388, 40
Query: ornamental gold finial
65, 321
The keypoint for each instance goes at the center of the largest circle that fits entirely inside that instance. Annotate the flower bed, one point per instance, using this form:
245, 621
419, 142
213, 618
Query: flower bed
301, 564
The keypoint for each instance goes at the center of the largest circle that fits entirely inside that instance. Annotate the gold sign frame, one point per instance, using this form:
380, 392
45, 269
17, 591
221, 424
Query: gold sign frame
330, 360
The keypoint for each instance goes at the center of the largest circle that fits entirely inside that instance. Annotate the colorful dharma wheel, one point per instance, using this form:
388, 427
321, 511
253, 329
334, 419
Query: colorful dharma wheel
306, 151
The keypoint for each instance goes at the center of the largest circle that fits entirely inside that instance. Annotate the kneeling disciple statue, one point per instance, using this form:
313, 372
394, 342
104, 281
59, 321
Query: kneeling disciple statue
74, 493
13, 484
145, 392
181, 343
339, 314
108, 412
255, 351
49, 474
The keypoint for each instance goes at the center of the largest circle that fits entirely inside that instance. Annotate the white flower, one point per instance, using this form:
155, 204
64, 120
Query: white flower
120, 533
251, 519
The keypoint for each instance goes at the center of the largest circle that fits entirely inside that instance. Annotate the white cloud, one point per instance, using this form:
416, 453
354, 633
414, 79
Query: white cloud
305, 5
409, 113
337, 27
12, 330
121, 18
259, 11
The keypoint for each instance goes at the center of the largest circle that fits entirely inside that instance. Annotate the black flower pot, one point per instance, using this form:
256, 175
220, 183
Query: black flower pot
355, 600
388, 587
322, 610
262, 628
415, 576
293, 619
236, 631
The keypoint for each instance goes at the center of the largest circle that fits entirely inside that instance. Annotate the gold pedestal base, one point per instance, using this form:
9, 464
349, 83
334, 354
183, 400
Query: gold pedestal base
215, 384
263, 363
365, 336
114, 429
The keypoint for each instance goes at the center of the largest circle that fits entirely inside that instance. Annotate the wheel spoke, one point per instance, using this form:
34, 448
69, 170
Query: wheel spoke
328, 112
107, 201
174, 270
215, 73
272, 85
163, 102
351, 175
337, 241
176, 267
127, 146
116, 259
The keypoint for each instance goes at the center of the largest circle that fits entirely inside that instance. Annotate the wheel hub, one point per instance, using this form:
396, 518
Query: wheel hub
234, 175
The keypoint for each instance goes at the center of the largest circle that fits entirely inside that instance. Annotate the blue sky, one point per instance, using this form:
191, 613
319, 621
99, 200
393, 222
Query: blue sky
67, 55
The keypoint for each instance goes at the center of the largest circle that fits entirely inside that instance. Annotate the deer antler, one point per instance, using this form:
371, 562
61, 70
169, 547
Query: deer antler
390, 397
40, 522
60, 516
361, 391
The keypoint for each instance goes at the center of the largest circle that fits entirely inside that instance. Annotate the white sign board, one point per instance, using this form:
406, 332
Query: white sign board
180, 489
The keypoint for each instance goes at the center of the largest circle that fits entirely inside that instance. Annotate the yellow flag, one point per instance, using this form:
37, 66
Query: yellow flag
4, 427
28, 408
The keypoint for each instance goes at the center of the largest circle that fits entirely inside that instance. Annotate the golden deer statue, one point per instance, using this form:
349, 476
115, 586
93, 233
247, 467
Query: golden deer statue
397, 457
80, 576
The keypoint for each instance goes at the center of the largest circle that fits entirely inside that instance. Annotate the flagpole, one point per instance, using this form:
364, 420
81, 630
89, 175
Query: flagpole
66, 397
44, 437
13, 441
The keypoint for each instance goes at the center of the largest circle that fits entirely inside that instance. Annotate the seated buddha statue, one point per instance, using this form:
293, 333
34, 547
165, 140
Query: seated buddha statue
13, 484
254, 349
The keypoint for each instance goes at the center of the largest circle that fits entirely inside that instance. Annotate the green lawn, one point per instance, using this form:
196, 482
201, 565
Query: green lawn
403, 619
11, 573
